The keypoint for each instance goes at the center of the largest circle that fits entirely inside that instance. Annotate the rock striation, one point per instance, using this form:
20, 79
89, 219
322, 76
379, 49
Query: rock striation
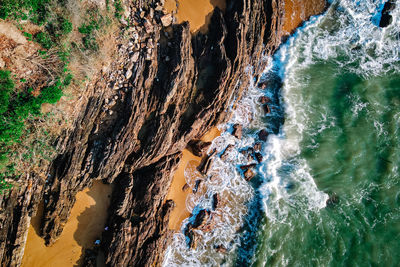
164, 89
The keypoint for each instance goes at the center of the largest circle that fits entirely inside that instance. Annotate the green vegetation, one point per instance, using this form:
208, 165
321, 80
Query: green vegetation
14, 111
35, 10
118, 8
22, 141
44, 39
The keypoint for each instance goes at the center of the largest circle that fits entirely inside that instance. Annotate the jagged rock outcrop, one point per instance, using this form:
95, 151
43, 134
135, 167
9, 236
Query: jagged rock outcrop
164, 89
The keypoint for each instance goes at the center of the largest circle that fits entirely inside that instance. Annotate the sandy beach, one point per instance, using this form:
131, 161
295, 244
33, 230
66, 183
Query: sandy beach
84, 226
197, 12
297, 11
176, 193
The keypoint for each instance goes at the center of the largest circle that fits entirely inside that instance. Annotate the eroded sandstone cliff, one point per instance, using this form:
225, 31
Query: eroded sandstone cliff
165, 88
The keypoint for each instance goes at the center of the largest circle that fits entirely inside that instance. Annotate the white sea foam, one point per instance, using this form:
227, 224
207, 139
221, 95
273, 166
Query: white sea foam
286, 179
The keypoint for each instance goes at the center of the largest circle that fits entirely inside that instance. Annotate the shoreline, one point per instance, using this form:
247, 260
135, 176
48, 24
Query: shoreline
196, 12
303, 10
79, 233
176, 192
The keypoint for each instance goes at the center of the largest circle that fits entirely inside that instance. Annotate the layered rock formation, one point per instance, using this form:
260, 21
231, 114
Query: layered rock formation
134, 120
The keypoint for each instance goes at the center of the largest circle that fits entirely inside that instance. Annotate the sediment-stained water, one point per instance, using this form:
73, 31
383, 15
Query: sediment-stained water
327, 192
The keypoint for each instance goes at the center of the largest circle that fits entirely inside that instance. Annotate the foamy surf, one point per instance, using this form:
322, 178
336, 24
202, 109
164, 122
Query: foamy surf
347, 37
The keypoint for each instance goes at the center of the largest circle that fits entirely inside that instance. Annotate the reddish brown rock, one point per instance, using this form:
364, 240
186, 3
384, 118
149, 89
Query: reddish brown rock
185, 188
258, 157
220, 249
205, 163
264, 100
257, 146
249, 174
198, 147
237, 131
266, 109
263, 135
228, 149
215, 201
245, 167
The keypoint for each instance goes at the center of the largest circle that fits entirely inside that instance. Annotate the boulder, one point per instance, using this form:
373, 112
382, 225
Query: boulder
198, 147
386, 18
200, 219
228, 149
220, 249
205, 163
258, 157
264, 99
257, 147
196, 186
237, 131
263, 135
215, 201
266, 109
185, 187
167, 20
249, 174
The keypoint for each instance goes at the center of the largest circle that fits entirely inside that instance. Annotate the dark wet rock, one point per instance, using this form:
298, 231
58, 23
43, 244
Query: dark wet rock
196, 186
185, 188
263, 135
237, 131
249, 174
258, 157
200, 219
248, 166
386, 18
205, 163
215, 201
193, 238
332, 200
198, 147
257, 146
221, 249
264, 99
248, 171
227, 151
262, 85
248, 153
266, 109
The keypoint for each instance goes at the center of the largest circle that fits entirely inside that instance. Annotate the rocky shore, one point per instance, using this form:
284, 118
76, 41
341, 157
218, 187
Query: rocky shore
165, 88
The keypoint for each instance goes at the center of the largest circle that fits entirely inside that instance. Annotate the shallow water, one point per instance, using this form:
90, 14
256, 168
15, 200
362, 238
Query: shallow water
328, 190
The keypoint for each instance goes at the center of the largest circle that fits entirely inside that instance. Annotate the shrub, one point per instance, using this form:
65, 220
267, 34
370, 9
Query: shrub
37, 9
6, 86
44, 39
51, 94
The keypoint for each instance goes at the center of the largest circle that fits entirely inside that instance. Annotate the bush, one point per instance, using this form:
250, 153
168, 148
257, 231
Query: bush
6, 86
59, 27
37, 10
14, 112
44, 39
51, 94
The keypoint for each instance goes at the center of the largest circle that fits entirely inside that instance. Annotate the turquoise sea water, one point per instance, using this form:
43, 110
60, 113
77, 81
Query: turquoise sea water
328, 190
341, 96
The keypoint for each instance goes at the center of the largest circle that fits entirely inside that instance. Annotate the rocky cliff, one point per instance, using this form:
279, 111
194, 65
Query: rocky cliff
165, 88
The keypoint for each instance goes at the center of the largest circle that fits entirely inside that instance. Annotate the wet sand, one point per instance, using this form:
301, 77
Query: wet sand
176, 193
197, 12
84, 226
297, 11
